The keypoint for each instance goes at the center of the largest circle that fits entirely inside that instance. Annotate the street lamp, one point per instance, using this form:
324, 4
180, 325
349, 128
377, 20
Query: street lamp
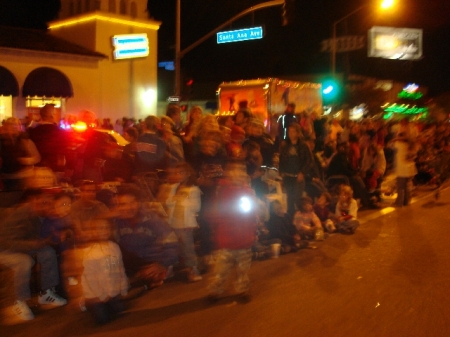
384, 5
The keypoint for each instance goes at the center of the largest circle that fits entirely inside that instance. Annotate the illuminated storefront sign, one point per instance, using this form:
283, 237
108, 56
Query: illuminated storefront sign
130, 46
254, 33
395, 43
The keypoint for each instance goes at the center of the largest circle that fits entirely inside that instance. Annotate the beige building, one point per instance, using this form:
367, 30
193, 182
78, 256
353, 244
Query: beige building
100, 55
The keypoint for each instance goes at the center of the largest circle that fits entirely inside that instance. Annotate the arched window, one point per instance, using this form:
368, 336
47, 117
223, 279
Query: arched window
71, 8
133, 9
87, 5
79, 8
123, 7
112, 6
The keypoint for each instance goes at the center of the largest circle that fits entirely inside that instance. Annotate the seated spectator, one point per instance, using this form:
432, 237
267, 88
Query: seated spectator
103, 280
280, 227
21, 244
373, 166
306, 221
85, 209
147, 242
182, 200
340, 165
321, 209
346, 211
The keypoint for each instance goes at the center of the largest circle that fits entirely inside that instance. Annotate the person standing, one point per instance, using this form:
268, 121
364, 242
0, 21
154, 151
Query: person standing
295, 162
233, 222
52, 142
285, 120
405, 168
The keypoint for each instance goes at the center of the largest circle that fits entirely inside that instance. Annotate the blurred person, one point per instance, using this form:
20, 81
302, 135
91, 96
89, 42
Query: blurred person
281, 227
173, 111
118, 126
285, 120
305, 220
335, 130
174, 145
191, 131
306, 125
234, 147
295, 162
340, 165
149, 246
183, 200
257, 134
405, 167
346, 211
20, 243
227, 121
85, 209
373, 166
323, 212
208, 163
131, 135
354, 152
18, 154
103, 280
243, 115
150, 148
233, 220
51, 142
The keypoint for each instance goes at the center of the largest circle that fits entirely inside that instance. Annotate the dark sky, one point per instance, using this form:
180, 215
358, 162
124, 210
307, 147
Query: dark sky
289, 50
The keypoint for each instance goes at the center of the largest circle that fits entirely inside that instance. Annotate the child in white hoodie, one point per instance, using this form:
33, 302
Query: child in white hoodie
103, 280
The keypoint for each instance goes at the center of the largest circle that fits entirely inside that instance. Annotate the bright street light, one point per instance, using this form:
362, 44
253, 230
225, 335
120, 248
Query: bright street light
387, 4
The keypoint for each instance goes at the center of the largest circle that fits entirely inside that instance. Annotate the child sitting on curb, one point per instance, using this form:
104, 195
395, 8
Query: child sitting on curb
280, 227
306, 221
321, 209
346, 211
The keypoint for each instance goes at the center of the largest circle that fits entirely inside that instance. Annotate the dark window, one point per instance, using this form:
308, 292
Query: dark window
112, 6
71, 9
133, 9
123, 7
97, 5
87, 5
79, 8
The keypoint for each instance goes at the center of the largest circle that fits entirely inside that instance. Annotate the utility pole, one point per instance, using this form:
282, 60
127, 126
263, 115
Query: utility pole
180, 53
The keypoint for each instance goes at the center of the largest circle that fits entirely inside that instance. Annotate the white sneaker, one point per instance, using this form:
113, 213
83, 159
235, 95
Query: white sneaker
22, 311
51, 298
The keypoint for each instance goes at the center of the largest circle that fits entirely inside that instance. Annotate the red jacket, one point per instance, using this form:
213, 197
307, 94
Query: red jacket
232, 217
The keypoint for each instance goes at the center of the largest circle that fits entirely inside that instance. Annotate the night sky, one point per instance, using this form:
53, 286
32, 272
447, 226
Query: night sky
288, 50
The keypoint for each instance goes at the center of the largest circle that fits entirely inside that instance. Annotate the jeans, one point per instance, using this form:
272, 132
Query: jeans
294, 191
21, 264
226, 259
347, 226
403, 193
187, 251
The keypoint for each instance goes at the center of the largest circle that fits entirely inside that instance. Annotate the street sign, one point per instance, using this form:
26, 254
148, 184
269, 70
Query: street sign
173, 99
254, 33
344, 44
130, 46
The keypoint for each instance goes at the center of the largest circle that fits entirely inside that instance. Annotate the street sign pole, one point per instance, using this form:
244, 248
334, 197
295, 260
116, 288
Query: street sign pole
180, 53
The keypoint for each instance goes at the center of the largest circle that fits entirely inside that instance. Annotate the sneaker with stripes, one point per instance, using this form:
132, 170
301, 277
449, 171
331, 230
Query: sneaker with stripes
51, 298
23, 311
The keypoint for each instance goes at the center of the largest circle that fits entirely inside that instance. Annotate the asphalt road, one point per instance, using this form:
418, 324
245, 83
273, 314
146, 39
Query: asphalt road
391, 278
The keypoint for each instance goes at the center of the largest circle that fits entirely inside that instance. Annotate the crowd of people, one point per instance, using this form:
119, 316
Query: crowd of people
211, 203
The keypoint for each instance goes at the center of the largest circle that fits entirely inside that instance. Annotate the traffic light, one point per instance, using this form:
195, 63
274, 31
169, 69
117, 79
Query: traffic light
287, 12
330, 90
